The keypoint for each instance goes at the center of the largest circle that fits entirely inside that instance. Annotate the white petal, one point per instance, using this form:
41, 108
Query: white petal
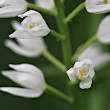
30, 69
47, 4
93, 6
21, 34
102, 60
104, 31
24, 34
30, 13
15, 8
36, 44
85, 84
16, 25
25, 79
96, 55
27, 52
28, 93
71, 74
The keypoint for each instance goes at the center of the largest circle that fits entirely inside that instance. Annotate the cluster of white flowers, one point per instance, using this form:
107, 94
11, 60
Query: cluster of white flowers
29, 35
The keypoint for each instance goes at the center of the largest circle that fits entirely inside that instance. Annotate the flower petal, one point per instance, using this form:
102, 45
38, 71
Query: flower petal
71, 74
95, 54
23, 34
104, 31
47, 4
21, 50
16, 25
15, 8
27, 93
30, 69
85, 84
25, 79
29, 13
93, 7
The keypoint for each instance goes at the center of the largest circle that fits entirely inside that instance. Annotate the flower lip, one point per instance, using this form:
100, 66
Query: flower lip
82, 75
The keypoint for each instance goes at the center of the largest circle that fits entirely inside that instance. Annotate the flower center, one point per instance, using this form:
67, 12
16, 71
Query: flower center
81, 75
21, 84
31, 26
7, 5
105, 1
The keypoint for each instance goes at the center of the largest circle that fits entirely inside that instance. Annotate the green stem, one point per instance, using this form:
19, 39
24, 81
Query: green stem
63, 28
74, 12
89, 42
54, 92
66, 47
57, 35
37, 8
53, 60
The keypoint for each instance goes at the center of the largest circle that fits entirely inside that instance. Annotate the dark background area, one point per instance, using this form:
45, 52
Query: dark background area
82, 27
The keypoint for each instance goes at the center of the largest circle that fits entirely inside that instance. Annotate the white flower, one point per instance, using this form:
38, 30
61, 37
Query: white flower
29, 77
98, 6
47, 4
83, 71
96, 55
12, 8
104, 31
33, 26
26, 47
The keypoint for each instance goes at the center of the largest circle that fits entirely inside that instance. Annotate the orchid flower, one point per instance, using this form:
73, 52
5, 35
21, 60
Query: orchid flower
83, 71
95, 53
27, 76
12, 8
33, 26
26, 47
98, 6
47, 4
103, 33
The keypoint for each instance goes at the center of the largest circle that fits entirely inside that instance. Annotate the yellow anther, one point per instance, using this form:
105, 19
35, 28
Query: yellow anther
81, 75
21, 84
7, 5
105, 1
31, 27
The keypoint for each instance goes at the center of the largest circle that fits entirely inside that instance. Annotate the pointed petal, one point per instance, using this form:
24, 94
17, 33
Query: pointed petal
29, 13
25, 79
21, 50
30, 69
23, 34
104, 31
16, 7
27, 93
16, 25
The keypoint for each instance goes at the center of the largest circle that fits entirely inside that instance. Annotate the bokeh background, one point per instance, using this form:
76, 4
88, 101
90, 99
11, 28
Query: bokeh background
82, 27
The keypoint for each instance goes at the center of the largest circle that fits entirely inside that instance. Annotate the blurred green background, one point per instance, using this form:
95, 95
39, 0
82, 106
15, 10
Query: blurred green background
83, 26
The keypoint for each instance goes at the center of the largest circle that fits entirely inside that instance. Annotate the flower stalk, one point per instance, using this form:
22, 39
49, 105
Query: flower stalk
74, 12
57, 35
54, 92
53, 60
66, 46
63, 28
86, 45
37, 8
